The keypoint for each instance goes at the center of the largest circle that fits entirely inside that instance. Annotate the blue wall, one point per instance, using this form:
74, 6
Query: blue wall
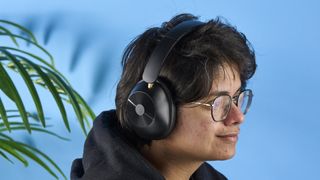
279, 139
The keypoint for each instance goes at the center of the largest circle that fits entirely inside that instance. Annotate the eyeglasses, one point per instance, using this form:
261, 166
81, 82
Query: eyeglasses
221, 105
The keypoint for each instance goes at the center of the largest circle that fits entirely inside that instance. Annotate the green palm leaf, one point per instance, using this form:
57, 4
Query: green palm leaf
17, 149
14, 36
34, 70
61, 86
34, 127
5, 156
71, 95
20, 28
8, 87
3, 115
29, 54
4, 146
29, 84
88, 110
52, 89
5, 137
8, 33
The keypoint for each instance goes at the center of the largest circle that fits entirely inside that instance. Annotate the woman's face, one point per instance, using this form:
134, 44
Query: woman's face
197, 136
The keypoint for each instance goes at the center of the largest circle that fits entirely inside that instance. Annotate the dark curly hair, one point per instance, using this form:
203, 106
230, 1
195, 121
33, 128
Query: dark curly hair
193, 63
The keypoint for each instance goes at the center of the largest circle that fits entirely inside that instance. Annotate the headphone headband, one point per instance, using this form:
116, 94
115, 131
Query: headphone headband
164, 48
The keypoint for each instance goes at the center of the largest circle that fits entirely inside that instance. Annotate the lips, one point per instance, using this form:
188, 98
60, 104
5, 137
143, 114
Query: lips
230, 137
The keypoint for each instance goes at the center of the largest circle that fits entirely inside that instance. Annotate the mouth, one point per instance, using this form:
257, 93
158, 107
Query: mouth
231, 137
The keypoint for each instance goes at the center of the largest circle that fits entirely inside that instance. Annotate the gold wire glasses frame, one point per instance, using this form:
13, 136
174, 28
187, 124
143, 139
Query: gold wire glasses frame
221, 105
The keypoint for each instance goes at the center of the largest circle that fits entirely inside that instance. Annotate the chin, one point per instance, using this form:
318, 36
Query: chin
224, 155
228, 156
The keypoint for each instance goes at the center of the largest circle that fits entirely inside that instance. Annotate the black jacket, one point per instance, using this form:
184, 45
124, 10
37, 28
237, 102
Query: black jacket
109, 155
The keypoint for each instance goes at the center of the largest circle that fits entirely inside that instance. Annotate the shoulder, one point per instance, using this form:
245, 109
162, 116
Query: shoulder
106, 118
206, 171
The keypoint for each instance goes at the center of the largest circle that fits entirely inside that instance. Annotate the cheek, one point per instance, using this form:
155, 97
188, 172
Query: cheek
195, 136
195, 125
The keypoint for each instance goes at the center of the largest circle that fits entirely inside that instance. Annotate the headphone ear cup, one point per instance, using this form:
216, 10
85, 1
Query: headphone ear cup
151, 112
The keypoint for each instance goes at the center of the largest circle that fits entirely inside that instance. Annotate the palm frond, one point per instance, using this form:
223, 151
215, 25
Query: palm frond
14, 37
18, 150
29, 84
3, 115
33, 126
21, 28
34, 70
8, 33
29, 54
9, 149
70, 92
5, 137
5, 156
51, 79
8, 87
48, 82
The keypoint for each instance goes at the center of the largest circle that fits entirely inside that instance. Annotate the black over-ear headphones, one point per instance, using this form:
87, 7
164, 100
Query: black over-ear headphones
150, 110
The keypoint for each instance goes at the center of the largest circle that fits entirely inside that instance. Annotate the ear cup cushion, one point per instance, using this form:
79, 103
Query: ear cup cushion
151, 112
171, 112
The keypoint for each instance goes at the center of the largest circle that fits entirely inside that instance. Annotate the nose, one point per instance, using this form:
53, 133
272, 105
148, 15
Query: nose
235, 116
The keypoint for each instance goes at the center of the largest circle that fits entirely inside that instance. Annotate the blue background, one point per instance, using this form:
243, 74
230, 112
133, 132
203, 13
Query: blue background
280, 138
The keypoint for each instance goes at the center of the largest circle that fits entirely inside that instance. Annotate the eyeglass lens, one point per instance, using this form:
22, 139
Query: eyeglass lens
220, 107
222, 104
244, 101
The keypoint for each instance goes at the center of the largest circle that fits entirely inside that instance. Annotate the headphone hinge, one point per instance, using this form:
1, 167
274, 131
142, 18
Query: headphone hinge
150, 85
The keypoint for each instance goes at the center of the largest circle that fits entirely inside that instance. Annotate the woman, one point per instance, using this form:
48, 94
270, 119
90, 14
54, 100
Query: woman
180, 102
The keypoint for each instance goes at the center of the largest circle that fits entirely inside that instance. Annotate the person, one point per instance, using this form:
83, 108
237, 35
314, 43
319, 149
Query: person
180, 102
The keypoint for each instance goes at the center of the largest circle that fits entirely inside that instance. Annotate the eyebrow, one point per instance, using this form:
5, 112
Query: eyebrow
217, 93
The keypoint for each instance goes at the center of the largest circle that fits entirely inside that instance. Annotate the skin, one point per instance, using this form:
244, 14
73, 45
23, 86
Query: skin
196, 137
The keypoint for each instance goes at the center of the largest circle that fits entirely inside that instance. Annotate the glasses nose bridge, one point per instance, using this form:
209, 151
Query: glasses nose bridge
234, 100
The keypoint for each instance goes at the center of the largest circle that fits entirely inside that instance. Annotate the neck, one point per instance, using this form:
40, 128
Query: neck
171, 165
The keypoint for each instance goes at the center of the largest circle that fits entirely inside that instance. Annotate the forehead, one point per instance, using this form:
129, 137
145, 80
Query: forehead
227, 79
